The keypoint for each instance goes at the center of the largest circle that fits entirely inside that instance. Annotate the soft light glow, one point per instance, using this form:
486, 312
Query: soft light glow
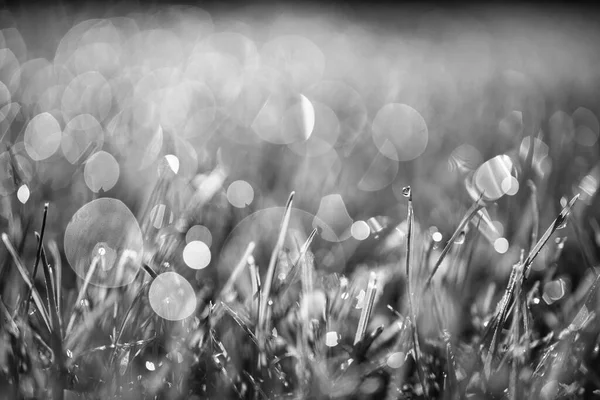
42, 136
501, 245
172, 297
360, 230
489, 177
199, 232
396, 360
240, 194
196, 255
101, 172
104, 225
510, 185
401, 128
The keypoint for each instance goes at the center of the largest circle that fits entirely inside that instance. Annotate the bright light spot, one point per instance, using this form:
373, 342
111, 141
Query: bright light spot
240, 194
42, 136
489, 177
101, 172
173, 162
510, 185
107, 224
23, 194
150, 366
199, 232
437, 237
401, 128
172, 297
196, 255
396, 360
101, 251
360, 230
501, 245
331, 339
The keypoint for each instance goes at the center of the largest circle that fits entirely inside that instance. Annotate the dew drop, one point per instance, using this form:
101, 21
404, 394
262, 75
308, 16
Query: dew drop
406, 191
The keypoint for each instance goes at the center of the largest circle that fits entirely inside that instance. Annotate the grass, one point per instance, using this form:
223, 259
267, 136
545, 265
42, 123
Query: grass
274, 343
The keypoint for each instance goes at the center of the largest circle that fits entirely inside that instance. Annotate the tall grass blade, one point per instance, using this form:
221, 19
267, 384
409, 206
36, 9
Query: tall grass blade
263, 321
475, 207
38, 254
37, 299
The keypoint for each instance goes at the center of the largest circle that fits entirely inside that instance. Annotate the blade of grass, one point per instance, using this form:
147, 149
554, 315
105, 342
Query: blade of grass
475, 207
37, 299
53, 247
10, 322
38, 255
301, 258
367, 309
228, 287
407, 192
263, 321
558, 223
535, 214
81, 294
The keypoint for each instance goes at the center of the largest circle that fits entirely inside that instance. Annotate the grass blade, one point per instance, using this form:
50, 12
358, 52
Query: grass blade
38, 255
535, 214
228, 287
367, 309
406, 191
263, 321
37, 299
475, 207
558, 223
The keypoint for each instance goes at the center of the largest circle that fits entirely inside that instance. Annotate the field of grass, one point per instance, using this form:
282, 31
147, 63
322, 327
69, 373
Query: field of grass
300, 203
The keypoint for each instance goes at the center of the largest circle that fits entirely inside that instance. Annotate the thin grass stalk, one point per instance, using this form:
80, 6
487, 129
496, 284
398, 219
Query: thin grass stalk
81, 294
367, 309
37, 299
558, 222
53, 247
413, 313
9, 319
301, 257
228, 287
535, 214
38, 255
263, 321
475, 207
